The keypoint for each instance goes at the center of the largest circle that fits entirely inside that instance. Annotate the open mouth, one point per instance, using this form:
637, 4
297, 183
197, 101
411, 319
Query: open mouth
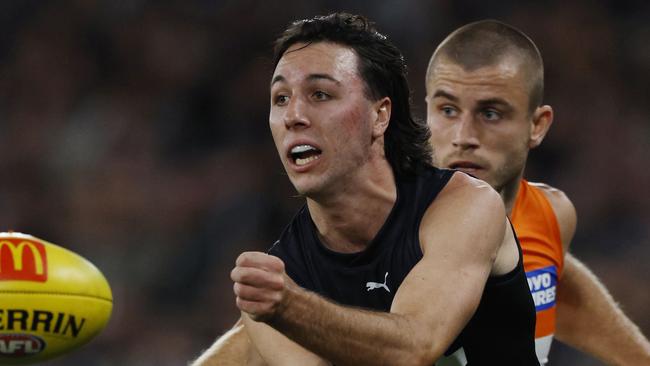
304, 154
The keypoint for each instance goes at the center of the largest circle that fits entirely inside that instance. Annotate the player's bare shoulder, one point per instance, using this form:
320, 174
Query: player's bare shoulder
466, 199
469, 213
474, 192
564, 209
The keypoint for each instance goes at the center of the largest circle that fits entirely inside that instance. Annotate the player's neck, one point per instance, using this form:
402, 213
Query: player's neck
348, 221
509, 193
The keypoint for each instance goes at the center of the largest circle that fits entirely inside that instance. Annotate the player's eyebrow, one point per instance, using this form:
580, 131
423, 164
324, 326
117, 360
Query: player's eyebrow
443, 94
277, 79
492, 101
495, 102
310, 77
315, 77
481, 103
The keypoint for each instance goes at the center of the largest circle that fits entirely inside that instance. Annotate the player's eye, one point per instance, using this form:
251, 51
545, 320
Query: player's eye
448, 111
321, 95
491, 115
280, 100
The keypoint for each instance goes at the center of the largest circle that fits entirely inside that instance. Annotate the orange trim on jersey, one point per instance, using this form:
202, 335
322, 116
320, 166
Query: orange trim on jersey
539, 235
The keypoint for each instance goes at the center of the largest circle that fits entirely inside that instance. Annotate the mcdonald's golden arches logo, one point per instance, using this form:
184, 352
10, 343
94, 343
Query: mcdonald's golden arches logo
22, 259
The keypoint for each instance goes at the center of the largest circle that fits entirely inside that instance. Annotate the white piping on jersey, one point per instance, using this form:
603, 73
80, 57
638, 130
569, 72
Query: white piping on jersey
542, 349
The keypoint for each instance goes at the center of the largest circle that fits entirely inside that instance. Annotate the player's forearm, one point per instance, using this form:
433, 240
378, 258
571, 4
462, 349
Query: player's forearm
589, 320
234, 348
349, 336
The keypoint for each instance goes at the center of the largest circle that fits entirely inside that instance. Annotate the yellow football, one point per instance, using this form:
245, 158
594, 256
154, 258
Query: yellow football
51, 300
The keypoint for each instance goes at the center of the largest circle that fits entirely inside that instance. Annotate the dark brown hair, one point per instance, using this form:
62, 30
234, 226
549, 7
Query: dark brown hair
383, 69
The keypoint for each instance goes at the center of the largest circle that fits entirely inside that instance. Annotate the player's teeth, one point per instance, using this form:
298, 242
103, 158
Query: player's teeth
302, 148
304, 161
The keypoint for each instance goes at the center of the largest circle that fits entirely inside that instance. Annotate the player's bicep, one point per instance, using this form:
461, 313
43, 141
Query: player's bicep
460, 236
275, 349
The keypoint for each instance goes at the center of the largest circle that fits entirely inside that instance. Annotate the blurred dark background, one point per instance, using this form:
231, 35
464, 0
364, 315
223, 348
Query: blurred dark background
136, 134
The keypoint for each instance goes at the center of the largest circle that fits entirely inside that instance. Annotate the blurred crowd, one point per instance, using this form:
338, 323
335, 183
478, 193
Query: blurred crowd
136, 134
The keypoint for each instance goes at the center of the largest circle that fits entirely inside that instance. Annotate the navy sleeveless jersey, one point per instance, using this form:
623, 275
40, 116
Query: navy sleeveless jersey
501, 332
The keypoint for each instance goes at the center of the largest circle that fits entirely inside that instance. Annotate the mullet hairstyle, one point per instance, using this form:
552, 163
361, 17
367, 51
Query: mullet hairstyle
383, 69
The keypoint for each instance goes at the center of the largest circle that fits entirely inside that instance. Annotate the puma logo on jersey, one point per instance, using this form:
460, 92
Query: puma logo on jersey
375, 285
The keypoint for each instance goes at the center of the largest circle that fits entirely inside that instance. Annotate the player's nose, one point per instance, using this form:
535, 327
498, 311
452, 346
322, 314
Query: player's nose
466, 134
296, 114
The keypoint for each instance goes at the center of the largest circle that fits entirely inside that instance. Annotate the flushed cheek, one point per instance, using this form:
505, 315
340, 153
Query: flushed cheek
345, 127
350, 121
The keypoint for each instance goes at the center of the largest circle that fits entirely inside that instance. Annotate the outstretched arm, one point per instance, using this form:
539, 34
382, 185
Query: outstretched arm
276, 349
589, 319
239, 347
432, 305
234, 348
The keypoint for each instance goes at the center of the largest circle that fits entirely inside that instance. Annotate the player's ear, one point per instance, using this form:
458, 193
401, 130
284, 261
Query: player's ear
382, 109
541, 121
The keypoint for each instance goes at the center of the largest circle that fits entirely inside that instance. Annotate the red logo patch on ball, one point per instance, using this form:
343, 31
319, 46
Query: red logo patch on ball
22, 260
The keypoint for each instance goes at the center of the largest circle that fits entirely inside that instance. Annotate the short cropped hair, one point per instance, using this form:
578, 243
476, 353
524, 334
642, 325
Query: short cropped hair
488, 42
383, 70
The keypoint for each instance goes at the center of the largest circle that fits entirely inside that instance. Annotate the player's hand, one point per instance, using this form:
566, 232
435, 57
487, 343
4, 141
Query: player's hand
261, 285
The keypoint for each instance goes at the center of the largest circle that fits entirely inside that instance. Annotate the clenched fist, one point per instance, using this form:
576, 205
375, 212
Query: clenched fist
261, 285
